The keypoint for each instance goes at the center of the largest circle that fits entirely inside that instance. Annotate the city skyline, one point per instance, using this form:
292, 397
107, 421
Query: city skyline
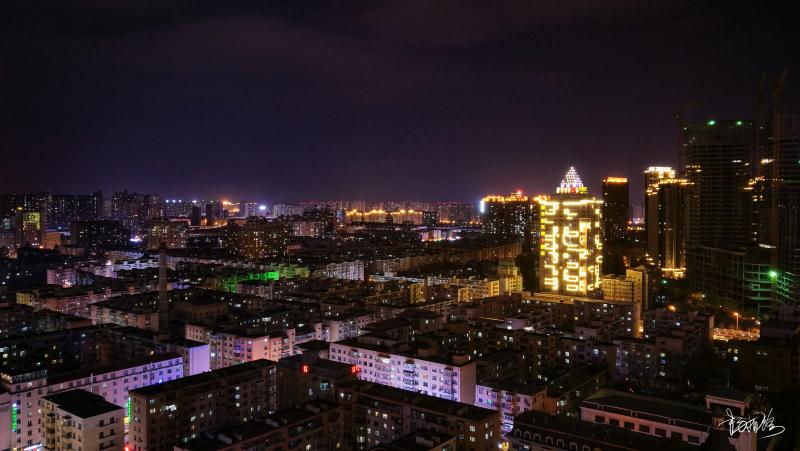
399, 225
367, 97
271, 202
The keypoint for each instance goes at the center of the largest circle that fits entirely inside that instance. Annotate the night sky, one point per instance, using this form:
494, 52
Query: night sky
428, 100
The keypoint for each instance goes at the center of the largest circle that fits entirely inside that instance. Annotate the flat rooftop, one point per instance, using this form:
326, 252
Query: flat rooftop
420, 401
202, 378
651, 408
82, 403
598, 436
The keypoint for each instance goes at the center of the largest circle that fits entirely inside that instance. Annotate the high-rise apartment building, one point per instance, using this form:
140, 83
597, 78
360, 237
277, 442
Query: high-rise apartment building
99, 234
571, 239
171, 233
257, 238
133, 210
63, 210
718, 164
90, 206
508, 216
721, 253
616, 207
456, 213
776, 196
195, 215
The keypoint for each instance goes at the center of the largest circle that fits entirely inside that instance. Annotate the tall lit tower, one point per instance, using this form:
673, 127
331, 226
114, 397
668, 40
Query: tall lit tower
572, 239
666, 219
652, 177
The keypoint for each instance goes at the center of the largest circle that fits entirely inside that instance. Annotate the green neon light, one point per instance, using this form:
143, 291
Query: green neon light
129, 407
738, 122
14, 417
711, 122
229, 284
773, 274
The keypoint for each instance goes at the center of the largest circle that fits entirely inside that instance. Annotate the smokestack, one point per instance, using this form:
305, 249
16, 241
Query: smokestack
163, 302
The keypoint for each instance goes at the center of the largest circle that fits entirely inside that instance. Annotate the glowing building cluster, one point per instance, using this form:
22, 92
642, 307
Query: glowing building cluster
572, 239
395, 217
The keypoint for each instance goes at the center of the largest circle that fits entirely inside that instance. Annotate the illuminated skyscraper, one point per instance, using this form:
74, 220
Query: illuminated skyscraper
572, 239
667, 219
652, 176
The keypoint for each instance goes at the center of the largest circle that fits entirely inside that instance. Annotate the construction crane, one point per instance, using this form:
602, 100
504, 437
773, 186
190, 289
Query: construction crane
758, 119
680, 119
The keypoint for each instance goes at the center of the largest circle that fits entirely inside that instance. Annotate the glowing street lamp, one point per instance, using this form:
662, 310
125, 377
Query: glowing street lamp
736, 315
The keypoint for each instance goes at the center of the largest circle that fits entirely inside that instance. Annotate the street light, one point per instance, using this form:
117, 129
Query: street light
736, 315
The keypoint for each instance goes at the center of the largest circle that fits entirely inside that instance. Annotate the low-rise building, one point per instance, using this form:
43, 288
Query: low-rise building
509, 399
79, 420
313, 426
231, 347
178, 411
112, 382
664, 418
382, 415
143, 315
448, 377
540, 431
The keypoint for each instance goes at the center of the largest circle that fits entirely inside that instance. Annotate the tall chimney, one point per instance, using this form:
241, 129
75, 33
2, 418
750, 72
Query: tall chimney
163, 302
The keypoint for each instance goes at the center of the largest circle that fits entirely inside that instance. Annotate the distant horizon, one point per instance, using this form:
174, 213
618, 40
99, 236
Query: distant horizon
594, 190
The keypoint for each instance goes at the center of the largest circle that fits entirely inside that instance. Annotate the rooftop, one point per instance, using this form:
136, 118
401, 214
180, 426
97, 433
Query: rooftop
655, 409
446, 359
416, 441
202, 378
82, 403
87, 372
421, 401
596, 435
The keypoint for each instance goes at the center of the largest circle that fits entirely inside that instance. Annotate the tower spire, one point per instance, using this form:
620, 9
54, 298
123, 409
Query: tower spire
571, 183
